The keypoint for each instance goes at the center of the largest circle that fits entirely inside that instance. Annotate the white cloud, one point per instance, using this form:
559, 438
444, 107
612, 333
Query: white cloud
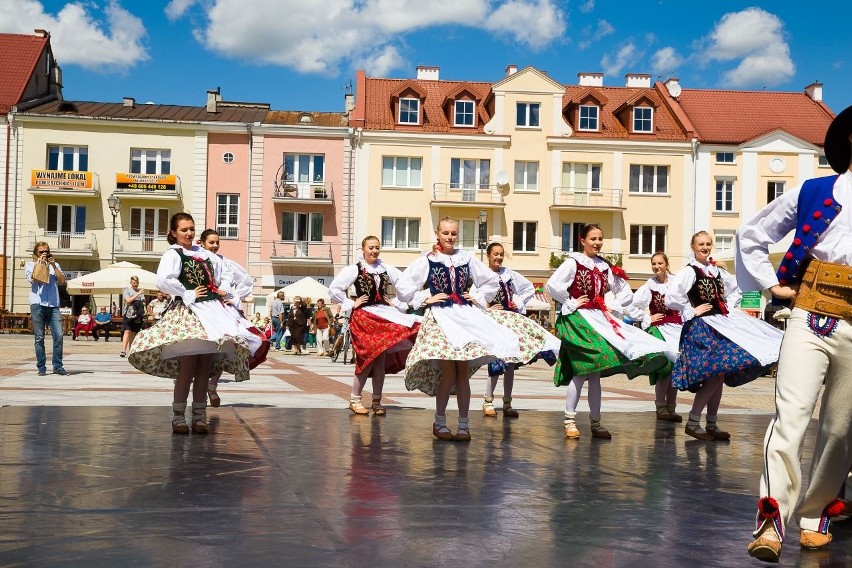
666, 60
626, 54
604, 29
757, 39
587, 6
177, 8
295, 34
109, 42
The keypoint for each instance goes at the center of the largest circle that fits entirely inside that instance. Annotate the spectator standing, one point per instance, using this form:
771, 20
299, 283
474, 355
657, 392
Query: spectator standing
44, 305
322, 319
134, 311
85, 323
276, 315
297, 323
103, 323
157, 307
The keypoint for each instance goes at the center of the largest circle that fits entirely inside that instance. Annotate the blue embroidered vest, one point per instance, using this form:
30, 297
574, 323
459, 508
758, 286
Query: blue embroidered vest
440, 280
816, 209
504, 295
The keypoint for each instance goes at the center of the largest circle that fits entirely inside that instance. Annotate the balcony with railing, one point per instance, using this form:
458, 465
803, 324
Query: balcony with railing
64, 183
320, 193
467, 195
587, 199
140, 247
147, 186
301, 253
64, 245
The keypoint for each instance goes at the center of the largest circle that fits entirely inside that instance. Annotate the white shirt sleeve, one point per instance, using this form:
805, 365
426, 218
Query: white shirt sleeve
167, 277
638, 309
770, 225
676, 298
524, 291
339, 288
485, 280
412, 280
558, 283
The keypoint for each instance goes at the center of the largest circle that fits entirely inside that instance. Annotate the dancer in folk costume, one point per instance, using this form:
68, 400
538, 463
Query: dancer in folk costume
382, 333
455, 338
815, 274
663, 323
720, 344
507, 308
241, 286
594, 343
197, 335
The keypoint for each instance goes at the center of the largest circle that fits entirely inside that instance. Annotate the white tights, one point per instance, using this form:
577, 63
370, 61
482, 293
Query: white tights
593, 394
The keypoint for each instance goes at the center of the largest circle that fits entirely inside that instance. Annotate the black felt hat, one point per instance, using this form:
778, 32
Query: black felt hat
838, 149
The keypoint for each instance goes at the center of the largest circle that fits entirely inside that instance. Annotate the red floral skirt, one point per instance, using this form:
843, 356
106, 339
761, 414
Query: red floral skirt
373, 336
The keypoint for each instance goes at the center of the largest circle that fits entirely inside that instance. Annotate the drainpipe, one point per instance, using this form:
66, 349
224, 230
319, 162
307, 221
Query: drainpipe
6, 285
354, 135
695, 145
15, 226
248, 194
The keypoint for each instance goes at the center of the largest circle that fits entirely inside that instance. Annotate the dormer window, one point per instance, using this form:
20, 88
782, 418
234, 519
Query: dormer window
589, 118
464, 113
643, 119
409, 111
528, 115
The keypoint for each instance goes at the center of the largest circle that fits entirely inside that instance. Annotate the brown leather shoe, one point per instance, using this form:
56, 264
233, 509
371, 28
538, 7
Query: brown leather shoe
442, 432
767, 546
814, 540
601, 433
698, 433
718, 435
571, 431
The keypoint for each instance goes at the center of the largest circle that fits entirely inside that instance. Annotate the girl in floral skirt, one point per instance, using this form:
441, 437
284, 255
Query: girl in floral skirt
507, 308
197, 335
455, 338
594, 342
720, 345
382, 333
663, 323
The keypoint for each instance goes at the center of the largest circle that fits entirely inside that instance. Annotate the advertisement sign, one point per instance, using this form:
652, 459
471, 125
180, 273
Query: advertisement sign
53, 179
280, 280
146, 182
750, 301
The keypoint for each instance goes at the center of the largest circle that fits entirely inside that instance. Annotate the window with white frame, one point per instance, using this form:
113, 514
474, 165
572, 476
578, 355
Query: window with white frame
401, 233
409, 111
643, 119
724, 157
68, 158
774, 190
148, 161
148, 223
65, 220
303, 227
581, 177
528, 115
523, 236
526, 176
470, 174
725, 195
647, 239
304, 168
464, 113
571, 237
724, 241
228, 215
401, 171
649, 179
589, 117
823, 161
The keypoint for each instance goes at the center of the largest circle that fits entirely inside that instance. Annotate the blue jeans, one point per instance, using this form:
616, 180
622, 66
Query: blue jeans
277, 333
42, 315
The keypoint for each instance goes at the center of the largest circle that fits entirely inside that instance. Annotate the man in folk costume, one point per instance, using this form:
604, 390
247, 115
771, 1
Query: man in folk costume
816, 276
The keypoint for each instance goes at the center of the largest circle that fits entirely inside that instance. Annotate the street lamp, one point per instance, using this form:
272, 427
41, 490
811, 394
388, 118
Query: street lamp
483, 232
114, 204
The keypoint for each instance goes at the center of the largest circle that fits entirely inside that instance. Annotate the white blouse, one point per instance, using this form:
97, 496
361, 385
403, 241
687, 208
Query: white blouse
338, 290
416, 276
642, 299
776, 220
170, 267
679, 286
524, 289
559, 282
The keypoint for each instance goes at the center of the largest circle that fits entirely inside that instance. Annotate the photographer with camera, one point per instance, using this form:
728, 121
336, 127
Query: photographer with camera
45, 276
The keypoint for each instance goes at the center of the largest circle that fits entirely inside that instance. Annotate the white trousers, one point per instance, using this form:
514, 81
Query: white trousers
806, 361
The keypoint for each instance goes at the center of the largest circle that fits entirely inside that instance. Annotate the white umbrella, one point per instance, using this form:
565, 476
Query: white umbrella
112, 280
307, 287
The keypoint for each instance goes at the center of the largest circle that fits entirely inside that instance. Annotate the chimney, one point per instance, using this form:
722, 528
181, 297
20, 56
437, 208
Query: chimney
640, 80
511, 70
41, 33
814, 91
349, 102
590, 79
427, 73
213, 97
673, 86
129, 102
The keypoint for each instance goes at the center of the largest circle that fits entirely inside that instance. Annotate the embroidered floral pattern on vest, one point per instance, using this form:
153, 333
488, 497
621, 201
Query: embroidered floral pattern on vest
374, 286
196, 271
451, 280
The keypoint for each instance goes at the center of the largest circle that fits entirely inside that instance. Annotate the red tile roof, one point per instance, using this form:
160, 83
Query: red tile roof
19, 55
378, 94
735, 117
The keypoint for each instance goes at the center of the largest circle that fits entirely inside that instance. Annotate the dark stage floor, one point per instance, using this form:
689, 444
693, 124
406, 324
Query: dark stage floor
95, 486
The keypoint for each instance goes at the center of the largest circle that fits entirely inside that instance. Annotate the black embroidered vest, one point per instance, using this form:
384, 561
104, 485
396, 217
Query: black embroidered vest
505, 292
365, 285
658, 306
195, 272
707, 290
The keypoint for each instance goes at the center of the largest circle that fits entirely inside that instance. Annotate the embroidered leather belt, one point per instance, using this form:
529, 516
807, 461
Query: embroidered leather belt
826, 289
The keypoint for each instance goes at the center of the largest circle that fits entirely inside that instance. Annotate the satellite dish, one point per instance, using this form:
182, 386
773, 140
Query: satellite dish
674, 89
502, 179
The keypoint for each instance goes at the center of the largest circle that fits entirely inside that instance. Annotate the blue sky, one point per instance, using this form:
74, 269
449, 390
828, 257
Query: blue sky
297, 56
